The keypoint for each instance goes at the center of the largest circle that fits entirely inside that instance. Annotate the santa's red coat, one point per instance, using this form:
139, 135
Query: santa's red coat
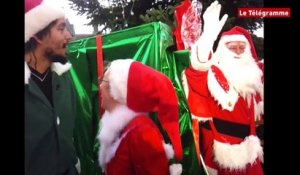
202, 104
141, 150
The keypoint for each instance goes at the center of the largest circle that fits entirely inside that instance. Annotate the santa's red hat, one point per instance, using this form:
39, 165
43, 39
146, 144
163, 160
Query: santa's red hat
38, 15
238, 34
144, 89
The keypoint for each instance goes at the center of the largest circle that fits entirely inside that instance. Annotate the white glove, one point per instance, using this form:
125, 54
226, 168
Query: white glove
212, 24
211, 29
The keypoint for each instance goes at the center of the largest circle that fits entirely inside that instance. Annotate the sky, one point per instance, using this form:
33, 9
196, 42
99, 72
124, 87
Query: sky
77, 20
80, 21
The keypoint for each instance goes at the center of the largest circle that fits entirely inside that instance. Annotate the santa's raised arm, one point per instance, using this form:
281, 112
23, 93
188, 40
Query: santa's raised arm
202, 49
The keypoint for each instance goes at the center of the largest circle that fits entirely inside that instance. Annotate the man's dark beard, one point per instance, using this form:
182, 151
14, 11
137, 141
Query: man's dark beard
54, 57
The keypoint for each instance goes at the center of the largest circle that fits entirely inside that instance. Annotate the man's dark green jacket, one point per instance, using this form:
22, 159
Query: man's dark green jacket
49, 146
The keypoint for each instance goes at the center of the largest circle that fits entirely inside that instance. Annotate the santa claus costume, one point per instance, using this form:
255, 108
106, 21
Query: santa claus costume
130, 142
225, 95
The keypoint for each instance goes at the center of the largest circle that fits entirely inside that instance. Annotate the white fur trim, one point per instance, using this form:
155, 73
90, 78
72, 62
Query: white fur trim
56, 67
237, 156
118, 75
60, 68
185, 84
27, 73
175, 169
40, 17
168, 150
111, 125
229, 38
226, 100
259, 110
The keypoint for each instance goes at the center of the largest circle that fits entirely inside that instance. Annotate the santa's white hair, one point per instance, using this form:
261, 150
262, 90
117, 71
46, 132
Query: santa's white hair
241, 71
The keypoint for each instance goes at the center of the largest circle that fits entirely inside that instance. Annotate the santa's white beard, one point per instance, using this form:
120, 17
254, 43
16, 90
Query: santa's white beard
241, 72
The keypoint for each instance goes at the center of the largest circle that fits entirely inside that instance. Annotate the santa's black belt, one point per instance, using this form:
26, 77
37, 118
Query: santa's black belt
229, 128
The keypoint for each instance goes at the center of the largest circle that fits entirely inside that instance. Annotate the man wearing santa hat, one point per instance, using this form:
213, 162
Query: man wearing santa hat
224, 91
130, 142
49, 93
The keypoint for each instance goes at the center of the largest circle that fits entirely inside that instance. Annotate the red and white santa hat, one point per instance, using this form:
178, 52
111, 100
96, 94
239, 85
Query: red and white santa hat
38, 15
144, 89
238, 34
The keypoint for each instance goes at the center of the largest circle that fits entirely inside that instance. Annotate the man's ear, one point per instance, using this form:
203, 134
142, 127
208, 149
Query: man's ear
37, 39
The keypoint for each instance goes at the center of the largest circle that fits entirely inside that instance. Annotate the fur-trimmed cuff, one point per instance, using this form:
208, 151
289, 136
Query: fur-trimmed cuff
200, 65
201, 53
237, 156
